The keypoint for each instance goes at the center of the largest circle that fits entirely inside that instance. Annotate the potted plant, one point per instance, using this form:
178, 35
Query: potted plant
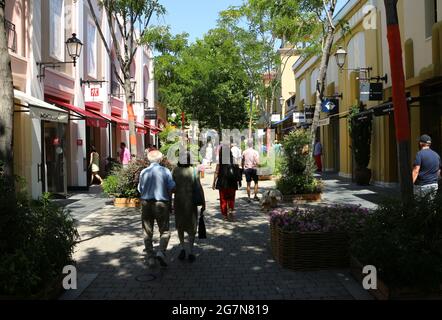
296, 169
314, 238
360, 128
122, 184
404, 243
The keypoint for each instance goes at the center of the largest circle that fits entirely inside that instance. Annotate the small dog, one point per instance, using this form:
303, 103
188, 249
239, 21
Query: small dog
270, 199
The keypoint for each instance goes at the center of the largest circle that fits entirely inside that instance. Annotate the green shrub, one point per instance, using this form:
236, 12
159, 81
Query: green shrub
404, 243
360, 134
123, 181
296, 166
37, 239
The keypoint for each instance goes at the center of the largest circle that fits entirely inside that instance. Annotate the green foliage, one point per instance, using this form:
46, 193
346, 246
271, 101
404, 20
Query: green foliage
360, 134
37, 239
123, 181
297, 166
404, 242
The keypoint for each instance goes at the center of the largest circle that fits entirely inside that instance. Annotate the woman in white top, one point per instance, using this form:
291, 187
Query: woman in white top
95, 165
209, 154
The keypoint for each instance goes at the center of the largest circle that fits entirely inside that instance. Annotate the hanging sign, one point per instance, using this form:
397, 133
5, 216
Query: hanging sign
298, 117
329, 105
93, 94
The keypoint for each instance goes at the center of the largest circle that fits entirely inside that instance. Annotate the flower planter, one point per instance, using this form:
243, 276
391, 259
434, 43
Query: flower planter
310, 250
384, 292
265, 177
127, 202
298, 198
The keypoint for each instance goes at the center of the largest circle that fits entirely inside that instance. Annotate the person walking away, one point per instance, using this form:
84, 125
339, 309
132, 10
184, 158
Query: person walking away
250, 162
426, 171
226, 180
155, 186
236, 152
277, 148
317, 154
209, 154
94, 163
186, 212
125, 156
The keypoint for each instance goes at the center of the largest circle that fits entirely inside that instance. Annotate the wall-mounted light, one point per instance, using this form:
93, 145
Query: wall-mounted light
73, 47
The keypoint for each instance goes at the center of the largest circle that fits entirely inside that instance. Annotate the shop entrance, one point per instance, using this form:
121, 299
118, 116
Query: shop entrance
431, 115
54, 158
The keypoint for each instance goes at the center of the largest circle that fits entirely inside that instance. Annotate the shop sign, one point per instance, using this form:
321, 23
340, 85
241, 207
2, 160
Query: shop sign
371, 91
276, 117
329, 105
93, 94
298, 117
48, 115
324, 122
150, 114
383, 110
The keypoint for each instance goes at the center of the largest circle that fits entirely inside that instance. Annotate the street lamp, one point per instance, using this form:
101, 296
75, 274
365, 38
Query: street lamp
340, 57
133, 84
73, 47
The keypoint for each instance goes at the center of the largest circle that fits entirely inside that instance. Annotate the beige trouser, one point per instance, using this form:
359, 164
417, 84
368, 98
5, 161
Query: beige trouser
151, 211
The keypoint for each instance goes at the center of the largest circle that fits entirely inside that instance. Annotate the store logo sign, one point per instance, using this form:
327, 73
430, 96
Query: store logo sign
370, 17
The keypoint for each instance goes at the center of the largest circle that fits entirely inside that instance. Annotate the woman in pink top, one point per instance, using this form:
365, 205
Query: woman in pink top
124, 154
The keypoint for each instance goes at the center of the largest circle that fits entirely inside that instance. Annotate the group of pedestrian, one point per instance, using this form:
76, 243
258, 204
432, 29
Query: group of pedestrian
156, 186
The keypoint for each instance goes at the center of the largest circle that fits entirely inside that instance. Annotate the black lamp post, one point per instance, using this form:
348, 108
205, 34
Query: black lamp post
73, 46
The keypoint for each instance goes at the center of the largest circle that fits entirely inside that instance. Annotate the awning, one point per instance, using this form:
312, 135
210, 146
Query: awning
40, 109
92, 119
153, 129
289, 116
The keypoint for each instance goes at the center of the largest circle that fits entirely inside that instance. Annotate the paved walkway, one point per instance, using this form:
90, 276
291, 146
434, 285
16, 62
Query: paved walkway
233, 263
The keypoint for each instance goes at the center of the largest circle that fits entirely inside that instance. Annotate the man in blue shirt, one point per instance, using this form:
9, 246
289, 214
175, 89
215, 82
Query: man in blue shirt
156, 186
426, 171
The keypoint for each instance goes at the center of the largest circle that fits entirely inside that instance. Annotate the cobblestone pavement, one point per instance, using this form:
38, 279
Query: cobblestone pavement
234, 262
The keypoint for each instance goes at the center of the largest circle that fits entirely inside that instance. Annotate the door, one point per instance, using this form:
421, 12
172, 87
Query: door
53, 157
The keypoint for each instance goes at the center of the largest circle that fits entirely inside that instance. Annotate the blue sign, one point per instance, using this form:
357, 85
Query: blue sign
329, 105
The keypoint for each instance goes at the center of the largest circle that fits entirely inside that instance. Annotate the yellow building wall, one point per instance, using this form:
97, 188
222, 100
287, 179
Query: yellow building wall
22, 147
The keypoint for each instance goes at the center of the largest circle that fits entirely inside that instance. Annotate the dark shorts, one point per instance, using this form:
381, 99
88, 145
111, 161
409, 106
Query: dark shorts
251, 174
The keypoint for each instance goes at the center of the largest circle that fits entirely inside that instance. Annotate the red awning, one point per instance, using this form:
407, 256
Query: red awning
153, 129
122, 124
92, 119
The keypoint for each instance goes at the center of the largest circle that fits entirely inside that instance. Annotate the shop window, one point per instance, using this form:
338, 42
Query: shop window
430, 16
92, 49
56, 29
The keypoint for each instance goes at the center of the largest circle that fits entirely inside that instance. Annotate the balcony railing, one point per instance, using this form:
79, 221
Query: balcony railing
11, 36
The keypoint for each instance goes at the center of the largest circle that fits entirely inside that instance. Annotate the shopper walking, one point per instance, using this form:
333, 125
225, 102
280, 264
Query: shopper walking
317, 154
250, 164
226, 180
426, 171
94, 164
186, 179
125, 156
156, 186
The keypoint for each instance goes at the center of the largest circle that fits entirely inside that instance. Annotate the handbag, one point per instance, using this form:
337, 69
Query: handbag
197, 196
202, 226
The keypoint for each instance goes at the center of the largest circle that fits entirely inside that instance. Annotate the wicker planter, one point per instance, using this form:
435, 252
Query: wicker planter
309, 251
384, 292
127, 202
299, 198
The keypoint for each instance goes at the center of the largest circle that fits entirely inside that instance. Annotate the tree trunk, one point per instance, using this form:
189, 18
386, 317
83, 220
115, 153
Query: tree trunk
328, 43
6, 100
401, 116
130, 116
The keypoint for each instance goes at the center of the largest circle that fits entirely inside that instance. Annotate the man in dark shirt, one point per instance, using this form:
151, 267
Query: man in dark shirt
426, 171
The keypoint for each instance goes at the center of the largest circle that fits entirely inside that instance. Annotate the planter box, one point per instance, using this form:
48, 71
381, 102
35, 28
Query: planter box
299, 198
310, 250
265, 177
127, 202
383, 292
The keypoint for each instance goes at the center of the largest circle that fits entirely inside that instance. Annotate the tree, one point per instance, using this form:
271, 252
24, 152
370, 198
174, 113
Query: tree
128, 19
205, 79
401, 116
6, 102
326, 15
294, 22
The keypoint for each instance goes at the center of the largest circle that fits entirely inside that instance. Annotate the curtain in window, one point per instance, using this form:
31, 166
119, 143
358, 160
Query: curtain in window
92, 49
56, 27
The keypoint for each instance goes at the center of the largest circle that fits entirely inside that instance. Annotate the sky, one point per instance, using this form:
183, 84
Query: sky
196, 17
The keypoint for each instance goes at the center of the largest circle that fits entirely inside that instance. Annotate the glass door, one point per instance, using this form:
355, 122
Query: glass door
54, 157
